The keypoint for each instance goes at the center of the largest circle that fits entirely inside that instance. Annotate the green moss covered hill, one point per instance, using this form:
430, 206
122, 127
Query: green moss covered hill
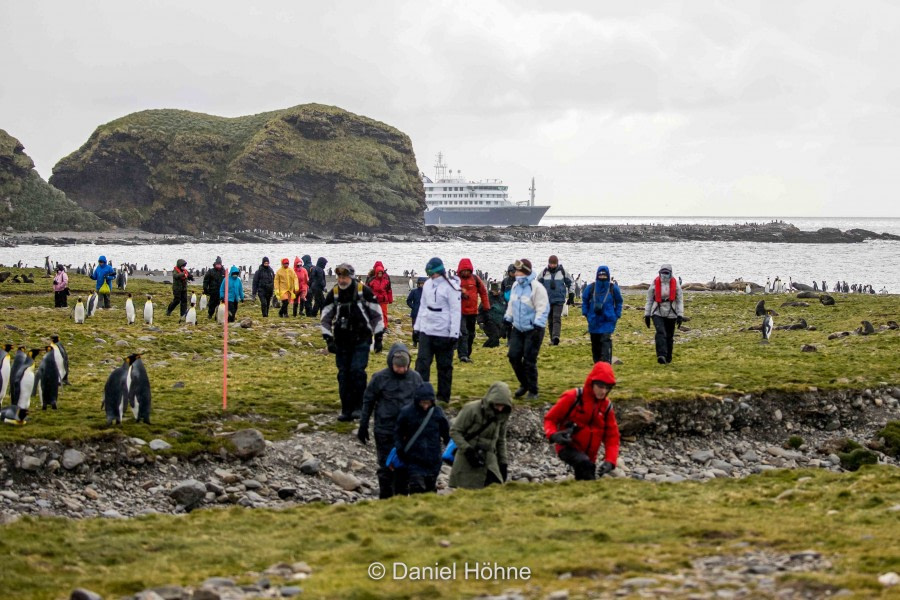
306, 168
28, 203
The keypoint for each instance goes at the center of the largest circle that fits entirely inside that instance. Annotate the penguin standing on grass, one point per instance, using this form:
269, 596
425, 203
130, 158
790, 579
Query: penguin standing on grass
768, 325
190, 317
115, 394
129, 310
138, 383
47, 380
148, 310
5, 368
15, 373
204, 302
92, 303
62, 359
78, 313
22, 382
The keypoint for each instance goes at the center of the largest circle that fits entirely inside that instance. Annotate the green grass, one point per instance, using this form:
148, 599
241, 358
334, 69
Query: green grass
601, 532
274, 394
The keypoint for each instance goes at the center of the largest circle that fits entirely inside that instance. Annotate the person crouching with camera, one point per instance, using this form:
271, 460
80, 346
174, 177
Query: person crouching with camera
580, 420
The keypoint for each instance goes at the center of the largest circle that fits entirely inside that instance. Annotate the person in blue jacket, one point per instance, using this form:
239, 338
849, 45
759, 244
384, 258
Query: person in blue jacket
421, 453
235, 292
413, 300
601, 304
103, 273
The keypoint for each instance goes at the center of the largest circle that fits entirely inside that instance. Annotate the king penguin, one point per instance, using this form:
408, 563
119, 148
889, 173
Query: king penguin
138, 384
5, 367
148, 310
92, 304
115, 394
767, 326
23, 381
78, 313
190, 317
62, 359
129, 310
47, 381
204, 302
15, 373
193, 299
220, 313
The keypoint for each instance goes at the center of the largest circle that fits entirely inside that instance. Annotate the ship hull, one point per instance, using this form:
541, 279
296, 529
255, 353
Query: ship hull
495, 215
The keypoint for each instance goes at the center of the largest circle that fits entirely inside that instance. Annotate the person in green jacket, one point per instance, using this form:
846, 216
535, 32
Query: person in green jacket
479, 432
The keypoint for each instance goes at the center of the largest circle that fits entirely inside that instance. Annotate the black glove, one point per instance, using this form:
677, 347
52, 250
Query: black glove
475, 458
378, 346
563, 436
363, 434
329, 341
647, 322
504, 471
507, 327
604, 468
678, 321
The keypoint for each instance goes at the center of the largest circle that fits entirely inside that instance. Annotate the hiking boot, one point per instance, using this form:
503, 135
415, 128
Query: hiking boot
355, 415
344, 418
520, 392
661, 360
556, 341
531, 396
465, 359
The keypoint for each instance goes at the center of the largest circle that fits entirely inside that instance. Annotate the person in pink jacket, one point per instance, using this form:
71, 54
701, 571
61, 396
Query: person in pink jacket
303, 281
61, 288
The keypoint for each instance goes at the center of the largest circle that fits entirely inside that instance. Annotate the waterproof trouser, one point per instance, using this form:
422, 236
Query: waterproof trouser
601, 347
232, 311
179, 298
61, 299
555, 321
265, 300
665, 337
466, 335
104, 301
213, 304
352, 360
524, 347
585, 470
421, 480
440, 350
390, 482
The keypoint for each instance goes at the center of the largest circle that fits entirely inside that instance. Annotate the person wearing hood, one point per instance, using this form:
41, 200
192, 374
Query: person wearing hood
317, 285
413, 301
601, 304
665, 307
235, 292
104, 275
556, 282
308, 265
479, 432
212, 282
60, 288
286, 286
472, 288
264, 286
526, 319
581, 420
180, 278
302, 285
380, 284
389, 390
438, 326
420, 434
351, 320
492, 321
508, 281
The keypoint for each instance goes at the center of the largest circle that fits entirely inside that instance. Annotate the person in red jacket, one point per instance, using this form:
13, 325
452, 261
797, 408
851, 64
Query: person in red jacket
583, 418
472, 287
303, 280
380, 284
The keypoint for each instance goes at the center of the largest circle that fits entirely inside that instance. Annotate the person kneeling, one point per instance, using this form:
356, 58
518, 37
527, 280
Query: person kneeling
421, 430
580, 420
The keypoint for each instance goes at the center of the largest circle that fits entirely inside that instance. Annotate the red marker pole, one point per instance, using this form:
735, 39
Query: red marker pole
225, 353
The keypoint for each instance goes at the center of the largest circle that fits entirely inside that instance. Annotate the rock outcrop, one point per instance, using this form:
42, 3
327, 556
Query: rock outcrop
307, 168
28, 203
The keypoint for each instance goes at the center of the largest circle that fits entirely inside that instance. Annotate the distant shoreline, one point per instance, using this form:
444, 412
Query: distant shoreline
772, 232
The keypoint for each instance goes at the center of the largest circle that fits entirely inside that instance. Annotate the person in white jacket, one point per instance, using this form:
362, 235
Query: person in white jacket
526, 318
437, 326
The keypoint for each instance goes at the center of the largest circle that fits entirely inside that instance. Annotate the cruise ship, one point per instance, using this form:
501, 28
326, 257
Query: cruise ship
452, 200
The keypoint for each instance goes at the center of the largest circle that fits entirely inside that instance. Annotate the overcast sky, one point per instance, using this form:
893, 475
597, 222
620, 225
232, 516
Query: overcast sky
684, 109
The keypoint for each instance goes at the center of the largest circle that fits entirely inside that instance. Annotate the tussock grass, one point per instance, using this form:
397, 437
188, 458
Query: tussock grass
600, 532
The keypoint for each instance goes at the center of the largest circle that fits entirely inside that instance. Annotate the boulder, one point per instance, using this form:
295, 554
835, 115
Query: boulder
247, 443
189, 493
72, 459
635, 420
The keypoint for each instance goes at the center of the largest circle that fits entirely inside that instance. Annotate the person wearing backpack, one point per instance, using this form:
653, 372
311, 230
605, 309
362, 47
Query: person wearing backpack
351, 319
472, 288
420, 434
180, 278
601, 304
557, 283
581, 420
380, 284
479, 432
665, 306
263, 286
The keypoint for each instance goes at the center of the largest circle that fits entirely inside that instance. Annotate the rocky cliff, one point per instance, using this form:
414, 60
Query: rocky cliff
306, 168
28, 203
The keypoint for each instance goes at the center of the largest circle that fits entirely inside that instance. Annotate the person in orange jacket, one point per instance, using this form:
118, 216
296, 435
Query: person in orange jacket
472, 288
302, 283
581, 420
380, 284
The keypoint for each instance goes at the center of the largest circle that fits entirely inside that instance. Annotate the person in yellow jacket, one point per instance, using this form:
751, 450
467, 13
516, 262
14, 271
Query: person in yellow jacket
286, 286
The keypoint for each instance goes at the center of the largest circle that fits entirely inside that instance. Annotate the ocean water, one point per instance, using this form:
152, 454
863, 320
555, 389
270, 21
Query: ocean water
874, 262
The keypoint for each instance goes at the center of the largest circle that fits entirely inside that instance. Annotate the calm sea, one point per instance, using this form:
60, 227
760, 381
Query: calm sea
876, 263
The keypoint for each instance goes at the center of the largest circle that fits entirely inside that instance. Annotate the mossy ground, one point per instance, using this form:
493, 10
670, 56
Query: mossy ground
275, 393
593, 530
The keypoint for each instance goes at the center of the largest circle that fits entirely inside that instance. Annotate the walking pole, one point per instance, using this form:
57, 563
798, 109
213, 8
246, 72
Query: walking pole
225, 353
